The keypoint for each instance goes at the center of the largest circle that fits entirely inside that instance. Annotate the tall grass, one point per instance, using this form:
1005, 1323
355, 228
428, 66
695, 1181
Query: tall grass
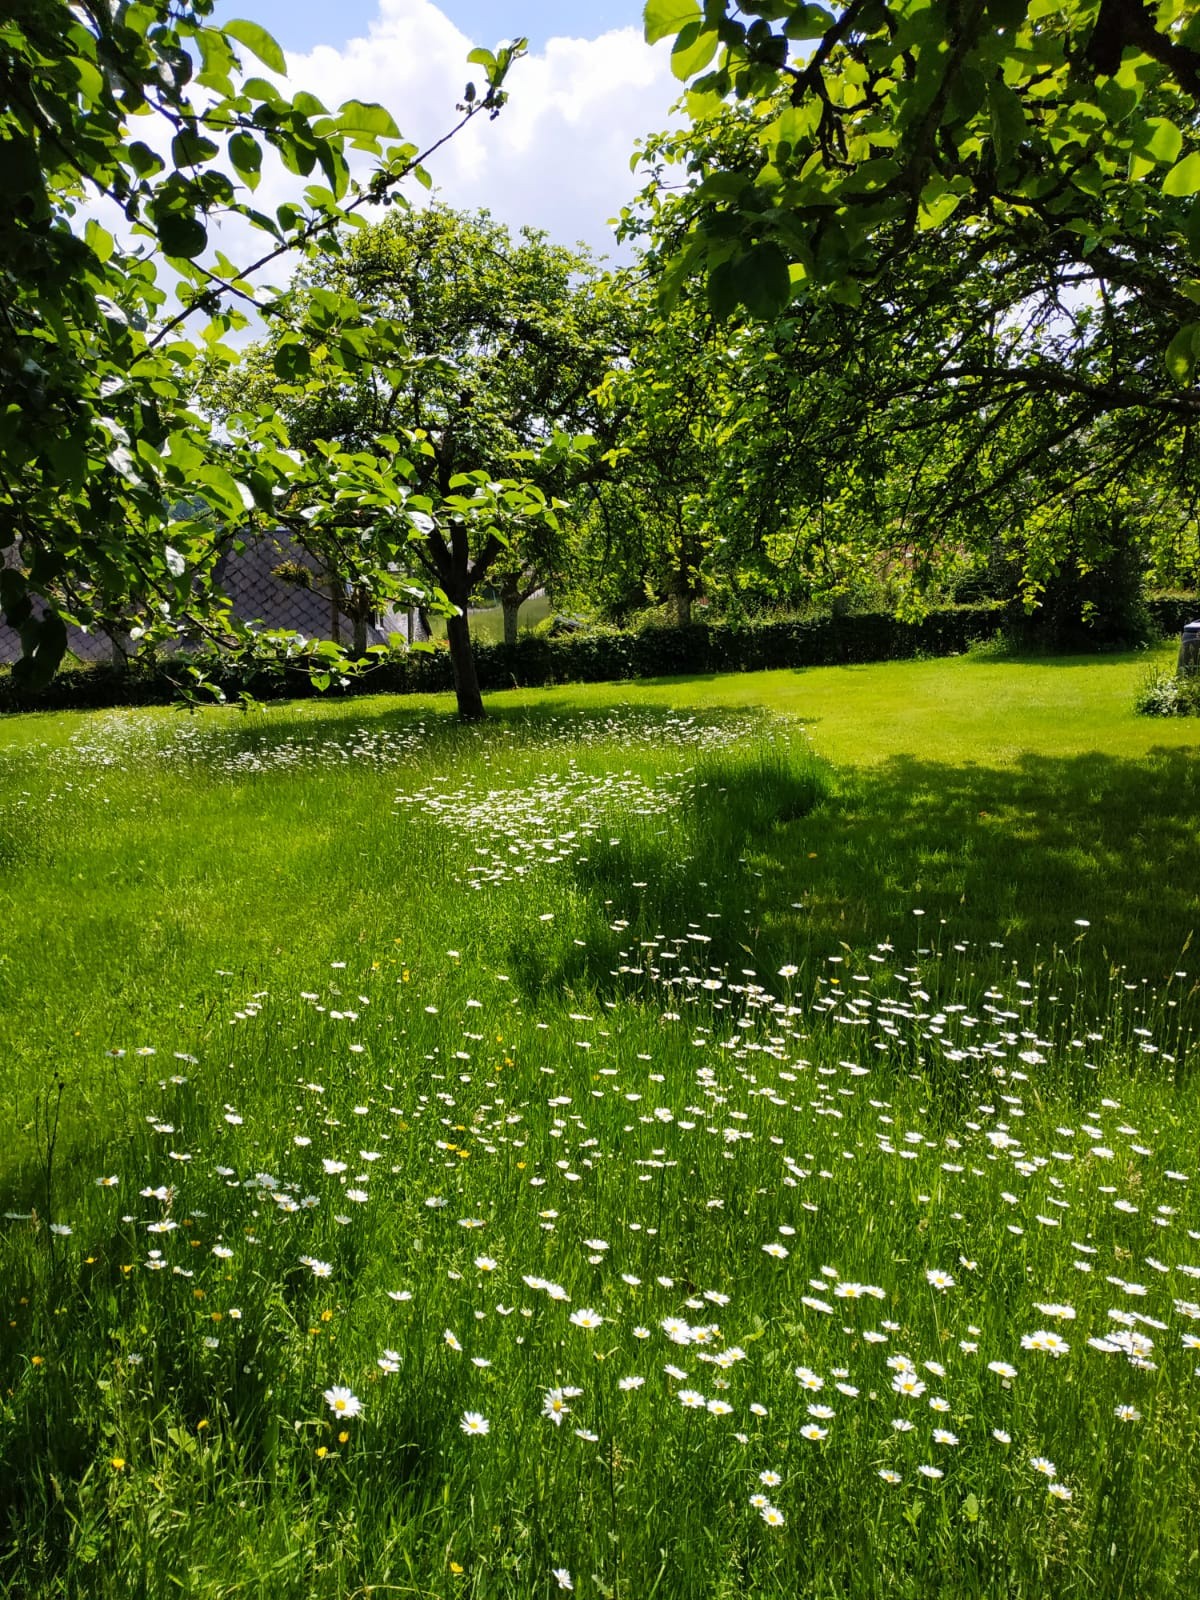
497, 1079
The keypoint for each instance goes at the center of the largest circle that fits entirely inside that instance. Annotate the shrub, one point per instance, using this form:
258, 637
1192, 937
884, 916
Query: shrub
1168, 694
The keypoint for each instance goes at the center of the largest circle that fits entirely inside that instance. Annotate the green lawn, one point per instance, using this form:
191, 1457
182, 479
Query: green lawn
677, 1124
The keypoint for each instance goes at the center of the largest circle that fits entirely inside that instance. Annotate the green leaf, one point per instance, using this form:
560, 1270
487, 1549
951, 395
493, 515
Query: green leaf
292, 362
1181, 352
1007, 117
762, 280
1184, 176
259, 42
43, 645
180, 234
1159, 139
693, 50
99, 240
358, 116
663, 18
246, 154
808, 22
188, 149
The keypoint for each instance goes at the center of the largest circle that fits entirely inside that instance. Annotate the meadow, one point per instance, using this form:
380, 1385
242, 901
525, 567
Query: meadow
725, 1138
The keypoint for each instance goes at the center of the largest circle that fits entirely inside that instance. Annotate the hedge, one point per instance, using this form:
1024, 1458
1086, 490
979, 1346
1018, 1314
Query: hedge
577, 658
1170, 613
603, 656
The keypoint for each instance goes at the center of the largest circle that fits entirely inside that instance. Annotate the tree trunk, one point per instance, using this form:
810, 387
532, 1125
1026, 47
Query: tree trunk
462, 661
511, 607
359, 647
681, 604
335, 631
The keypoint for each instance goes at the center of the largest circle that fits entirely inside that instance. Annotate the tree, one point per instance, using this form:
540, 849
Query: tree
98, 436
996, 201
481, 353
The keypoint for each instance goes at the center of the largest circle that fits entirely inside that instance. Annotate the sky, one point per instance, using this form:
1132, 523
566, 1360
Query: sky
557, 158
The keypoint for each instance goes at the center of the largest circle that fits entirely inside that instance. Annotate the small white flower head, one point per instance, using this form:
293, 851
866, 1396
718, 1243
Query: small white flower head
779, 1251
931, 1472
1059, 1491
771, 1479
585, 1317
555, 1406
632, 1382
888, 1475
692, 1399
938, 1279
1051, 1343
474, 1424
812, 1431
1044, 1466
562, 1577
1002, 1369
772, 1516
1001, 1437
342, 1402
1127, 1414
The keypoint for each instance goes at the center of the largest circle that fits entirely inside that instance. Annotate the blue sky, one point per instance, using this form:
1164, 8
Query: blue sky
301, 24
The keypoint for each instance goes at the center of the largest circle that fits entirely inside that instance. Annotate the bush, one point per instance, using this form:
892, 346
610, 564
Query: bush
1168, 694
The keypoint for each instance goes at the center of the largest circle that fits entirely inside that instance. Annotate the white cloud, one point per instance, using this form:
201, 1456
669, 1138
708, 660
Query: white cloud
557, 157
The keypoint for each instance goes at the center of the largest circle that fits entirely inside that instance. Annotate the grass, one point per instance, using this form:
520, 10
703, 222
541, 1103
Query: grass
346, 1048
487, 623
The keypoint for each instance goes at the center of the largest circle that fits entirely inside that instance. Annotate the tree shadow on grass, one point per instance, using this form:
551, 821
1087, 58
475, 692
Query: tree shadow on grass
1016, 853
1020, 854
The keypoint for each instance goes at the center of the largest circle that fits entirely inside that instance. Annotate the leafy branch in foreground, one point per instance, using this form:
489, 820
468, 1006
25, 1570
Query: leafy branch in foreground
115, 497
